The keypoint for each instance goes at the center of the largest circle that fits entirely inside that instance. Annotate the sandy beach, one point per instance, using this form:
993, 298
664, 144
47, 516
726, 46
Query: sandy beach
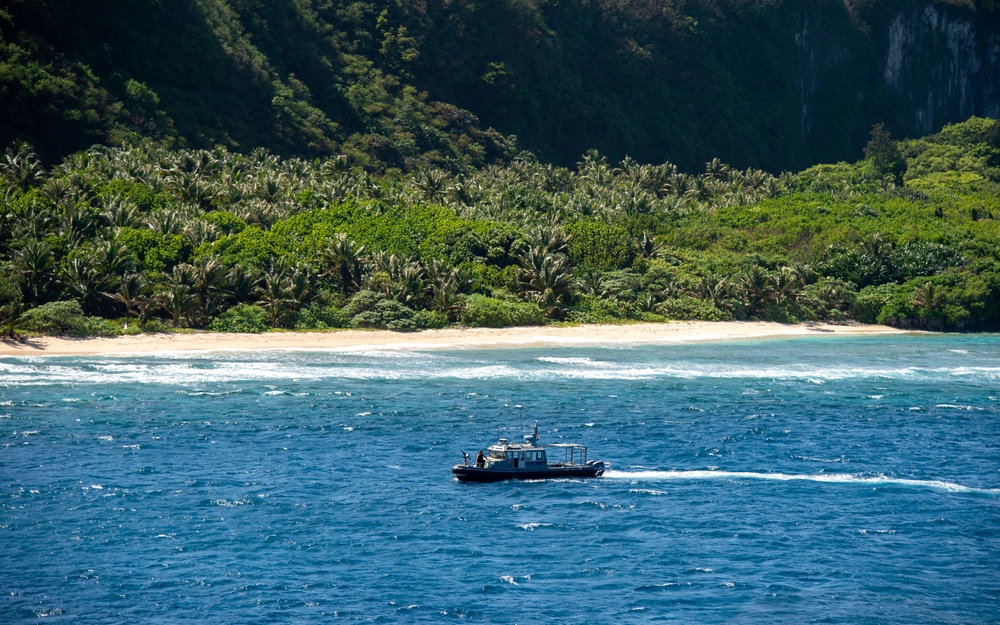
449, 338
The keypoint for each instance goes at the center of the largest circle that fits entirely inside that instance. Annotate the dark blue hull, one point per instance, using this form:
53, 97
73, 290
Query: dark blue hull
472, 473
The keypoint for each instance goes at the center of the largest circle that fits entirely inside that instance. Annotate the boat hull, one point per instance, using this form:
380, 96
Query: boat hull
471, 473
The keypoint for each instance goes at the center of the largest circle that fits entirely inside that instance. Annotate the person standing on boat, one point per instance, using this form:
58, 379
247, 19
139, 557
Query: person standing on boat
480, 459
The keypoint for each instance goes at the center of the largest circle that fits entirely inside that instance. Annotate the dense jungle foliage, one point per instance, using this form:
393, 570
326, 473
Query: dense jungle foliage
144, 237
417, 84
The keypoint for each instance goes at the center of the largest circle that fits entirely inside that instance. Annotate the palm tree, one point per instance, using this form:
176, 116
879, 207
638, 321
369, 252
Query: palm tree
928, 298
548, 238
757, 288
275, 292
545, 279
166, 222
592, 283
114, 258
83, 278
239, 285
445, 284
300, 286
20, 168
406, 283
343, 259
209, 276
11, 306
35, 264
715, 291
787, 283
177, 300
130, 293
430, 184
178, 297
647, 245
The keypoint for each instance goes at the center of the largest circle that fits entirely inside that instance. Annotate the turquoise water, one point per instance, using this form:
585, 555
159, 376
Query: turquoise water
814, 480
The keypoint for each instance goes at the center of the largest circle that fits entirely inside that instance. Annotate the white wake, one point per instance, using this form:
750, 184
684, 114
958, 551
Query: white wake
836, 478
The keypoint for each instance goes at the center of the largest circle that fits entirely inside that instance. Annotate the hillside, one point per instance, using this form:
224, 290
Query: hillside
114, 239
771, 84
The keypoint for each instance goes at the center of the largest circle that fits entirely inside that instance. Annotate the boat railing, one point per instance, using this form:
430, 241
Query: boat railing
575, 453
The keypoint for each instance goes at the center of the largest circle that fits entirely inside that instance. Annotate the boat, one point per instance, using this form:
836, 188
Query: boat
528, 460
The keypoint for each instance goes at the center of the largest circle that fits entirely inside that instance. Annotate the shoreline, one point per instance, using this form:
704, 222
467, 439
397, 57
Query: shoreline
447, 338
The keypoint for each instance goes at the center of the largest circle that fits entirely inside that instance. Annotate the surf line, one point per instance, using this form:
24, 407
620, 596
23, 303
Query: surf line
836, 478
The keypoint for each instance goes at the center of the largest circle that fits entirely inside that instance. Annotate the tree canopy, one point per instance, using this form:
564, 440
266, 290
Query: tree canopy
149, 237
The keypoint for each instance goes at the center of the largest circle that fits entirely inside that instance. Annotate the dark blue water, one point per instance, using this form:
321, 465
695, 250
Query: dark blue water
820, 480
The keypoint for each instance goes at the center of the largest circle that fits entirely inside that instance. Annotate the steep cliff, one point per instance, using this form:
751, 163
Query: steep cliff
775, 84
944, 61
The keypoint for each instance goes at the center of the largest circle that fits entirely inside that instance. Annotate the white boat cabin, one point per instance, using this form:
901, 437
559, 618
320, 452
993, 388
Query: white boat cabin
530, 455
504, 455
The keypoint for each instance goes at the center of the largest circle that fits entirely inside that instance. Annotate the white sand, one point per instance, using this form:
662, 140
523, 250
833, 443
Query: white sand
673, 332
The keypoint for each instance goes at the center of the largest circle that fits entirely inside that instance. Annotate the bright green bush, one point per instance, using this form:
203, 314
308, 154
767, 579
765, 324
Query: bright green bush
599, 246
868, 305
317, 317
244, 318
67, 318
489, 312
591, 309
226, 222
429, 319
362, 301
156, 251
386, 314
691, 309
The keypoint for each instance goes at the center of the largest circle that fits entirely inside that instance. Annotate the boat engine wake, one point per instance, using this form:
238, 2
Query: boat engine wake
836, 478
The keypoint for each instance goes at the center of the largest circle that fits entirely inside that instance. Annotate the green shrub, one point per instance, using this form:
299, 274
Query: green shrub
691, 309
226, 222
489, 312
429, 319
318, 317
386, 314
599, 246
156, 251
592, 309
97, 326
870, 301
65, 317
155, 325
362, 301
243, 318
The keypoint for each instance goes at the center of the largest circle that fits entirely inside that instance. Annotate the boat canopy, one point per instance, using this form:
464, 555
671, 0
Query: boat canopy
575, 453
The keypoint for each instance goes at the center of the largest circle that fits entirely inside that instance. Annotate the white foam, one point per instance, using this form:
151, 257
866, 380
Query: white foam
578, 362
833, 478
205, 369
533, 526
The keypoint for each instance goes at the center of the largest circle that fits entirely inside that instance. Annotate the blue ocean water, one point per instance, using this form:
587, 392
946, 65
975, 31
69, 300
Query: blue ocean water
814, 480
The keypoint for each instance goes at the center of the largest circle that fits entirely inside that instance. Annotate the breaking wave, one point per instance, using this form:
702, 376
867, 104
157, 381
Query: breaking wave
391, 365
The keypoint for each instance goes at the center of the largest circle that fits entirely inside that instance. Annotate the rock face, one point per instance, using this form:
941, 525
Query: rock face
944, 62
773, 84
915, 65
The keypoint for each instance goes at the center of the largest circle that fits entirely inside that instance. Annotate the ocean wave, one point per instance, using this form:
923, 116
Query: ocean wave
576, 361
207, 369
829, 478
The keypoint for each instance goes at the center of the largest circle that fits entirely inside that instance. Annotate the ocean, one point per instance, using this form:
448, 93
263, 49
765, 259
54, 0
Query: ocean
826, 479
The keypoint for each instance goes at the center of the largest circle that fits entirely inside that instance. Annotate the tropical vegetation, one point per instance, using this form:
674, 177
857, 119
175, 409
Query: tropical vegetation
147, 237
